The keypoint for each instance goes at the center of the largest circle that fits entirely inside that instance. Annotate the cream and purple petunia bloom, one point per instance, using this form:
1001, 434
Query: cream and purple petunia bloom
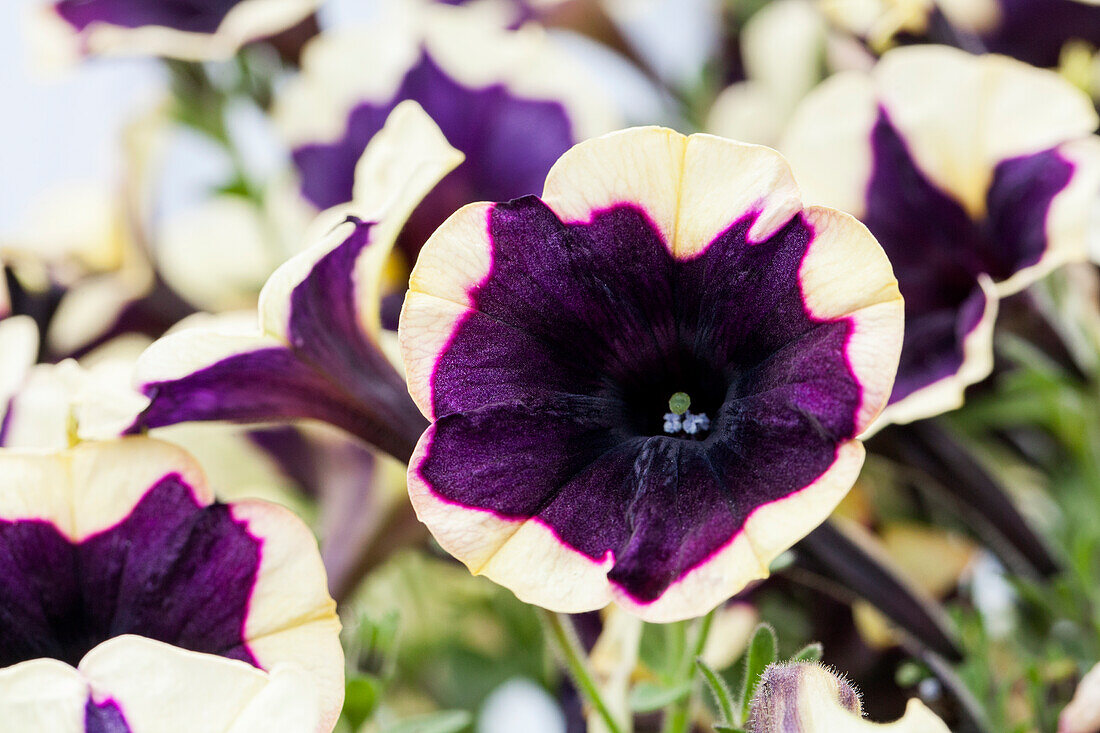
645, 385
808, 698
186, 29
131, 601
318, 350
978, 175
511, 101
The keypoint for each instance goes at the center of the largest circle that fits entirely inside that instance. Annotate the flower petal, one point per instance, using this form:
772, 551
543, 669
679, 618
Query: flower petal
807, 698
18, 352
291, 618
319, 319
162, 688
104, 27
135, 516
41, 695
520, 353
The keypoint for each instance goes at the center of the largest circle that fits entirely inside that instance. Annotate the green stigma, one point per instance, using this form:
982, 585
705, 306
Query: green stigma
679, 403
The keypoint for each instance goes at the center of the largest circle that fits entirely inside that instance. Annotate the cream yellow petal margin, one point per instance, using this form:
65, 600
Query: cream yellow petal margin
815, 706
1082, 715
948, 393
249, 20
42, 695
344, 68
828, 142
768, 532
562, 580
567, 581
692, 188
164, 689
453, 263
291, 617
642, 166
402, 163
18, 352
846, 274
93, 486
962, 114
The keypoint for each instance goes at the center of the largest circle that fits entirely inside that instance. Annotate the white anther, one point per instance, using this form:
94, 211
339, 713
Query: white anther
694, 423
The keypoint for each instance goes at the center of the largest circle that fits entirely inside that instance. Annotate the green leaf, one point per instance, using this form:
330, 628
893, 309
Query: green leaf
646, 697
719, 690
448, 721
809, 653
728, 729
762, 651
360, 699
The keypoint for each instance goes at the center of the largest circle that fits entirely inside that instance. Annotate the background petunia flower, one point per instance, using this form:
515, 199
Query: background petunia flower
319, 351
194, 30
511, 101
782, 48
1035, 31
552, 340
108, 541
18, 352
1082, 715
808, 698
977, 175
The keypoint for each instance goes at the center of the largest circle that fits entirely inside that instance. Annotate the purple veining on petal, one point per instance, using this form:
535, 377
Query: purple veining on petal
509, 142
104, 717
550, 395
938, 251
332, 371
196, 16
171, 570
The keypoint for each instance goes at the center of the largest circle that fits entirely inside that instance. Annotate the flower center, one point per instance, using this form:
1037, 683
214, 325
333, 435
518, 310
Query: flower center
679, 397
682, 421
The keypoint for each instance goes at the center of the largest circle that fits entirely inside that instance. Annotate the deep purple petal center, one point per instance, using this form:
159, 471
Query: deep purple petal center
938, 251
171, 570
509, 142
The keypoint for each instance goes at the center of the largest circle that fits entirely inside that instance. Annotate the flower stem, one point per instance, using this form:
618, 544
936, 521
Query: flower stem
564, 637
678, 716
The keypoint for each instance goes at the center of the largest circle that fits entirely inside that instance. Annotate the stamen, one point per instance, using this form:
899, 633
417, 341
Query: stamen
689, 423
695, 423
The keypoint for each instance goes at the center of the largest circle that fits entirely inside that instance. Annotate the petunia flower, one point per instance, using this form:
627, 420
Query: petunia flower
18, 352
112, 541
1082, 715
511, 101
1035, 31
318, 350
977, 175
880, 22
782, 47
808, 698
193, 30
646, 385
